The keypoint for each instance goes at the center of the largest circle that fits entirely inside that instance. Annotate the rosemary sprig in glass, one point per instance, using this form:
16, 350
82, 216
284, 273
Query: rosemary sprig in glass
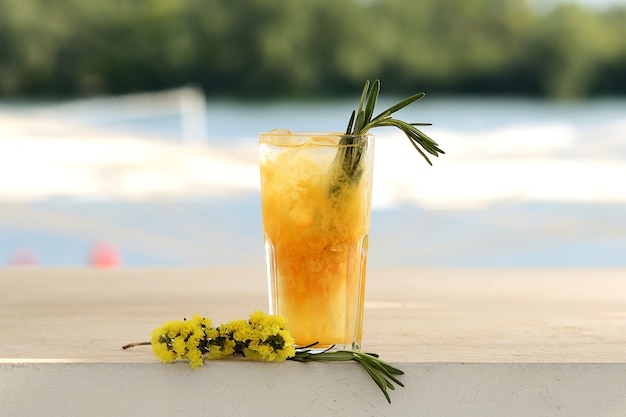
361, 121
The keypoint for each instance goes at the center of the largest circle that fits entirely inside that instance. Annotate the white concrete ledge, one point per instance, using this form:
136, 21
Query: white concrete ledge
472, 342
321, 389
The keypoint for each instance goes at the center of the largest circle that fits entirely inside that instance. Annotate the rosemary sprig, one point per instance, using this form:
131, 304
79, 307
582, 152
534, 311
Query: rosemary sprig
361, 121
382, 373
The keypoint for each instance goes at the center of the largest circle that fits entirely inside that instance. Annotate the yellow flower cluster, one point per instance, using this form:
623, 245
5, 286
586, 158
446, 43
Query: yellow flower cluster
263, 338
183, 340
267, 339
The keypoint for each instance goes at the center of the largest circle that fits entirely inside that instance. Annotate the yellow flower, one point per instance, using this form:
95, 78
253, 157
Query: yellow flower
260, 353
179, 347
211, 333
196, 322
219, 351
206, 322
262, 320
172, 328
288, 349
269, 340
163, 353
193, 340
238, 330
182, 340
195, 358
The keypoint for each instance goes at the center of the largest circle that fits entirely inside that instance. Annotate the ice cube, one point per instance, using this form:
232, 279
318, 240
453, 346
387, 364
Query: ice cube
281, 131
325, 140
284, 137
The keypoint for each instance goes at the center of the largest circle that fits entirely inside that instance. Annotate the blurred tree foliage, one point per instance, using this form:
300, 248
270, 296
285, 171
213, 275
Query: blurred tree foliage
309, 47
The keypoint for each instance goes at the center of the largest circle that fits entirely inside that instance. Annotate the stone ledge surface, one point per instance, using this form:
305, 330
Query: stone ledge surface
483, 342
234, 388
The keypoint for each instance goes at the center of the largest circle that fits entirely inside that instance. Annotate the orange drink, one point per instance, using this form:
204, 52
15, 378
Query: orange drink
316, 203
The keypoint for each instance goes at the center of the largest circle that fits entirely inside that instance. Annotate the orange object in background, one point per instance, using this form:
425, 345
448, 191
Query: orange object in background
23, 257
105, 255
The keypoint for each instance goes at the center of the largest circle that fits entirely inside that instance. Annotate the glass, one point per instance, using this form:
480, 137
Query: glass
316, 201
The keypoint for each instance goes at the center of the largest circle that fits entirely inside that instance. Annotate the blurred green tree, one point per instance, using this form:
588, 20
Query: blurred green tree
309, 47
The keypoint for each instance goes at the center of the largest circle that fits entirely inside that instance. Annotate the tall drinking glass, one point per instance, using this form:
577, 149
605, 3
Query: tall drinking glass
316, 201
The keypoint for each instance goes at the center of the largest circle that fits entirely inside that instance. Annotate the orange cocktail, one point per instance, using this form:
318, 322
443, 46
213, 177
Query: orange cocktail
316, 199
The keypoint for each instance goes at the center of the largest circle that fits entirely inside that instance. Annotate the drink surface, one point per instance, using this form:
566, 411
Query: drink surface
316, 223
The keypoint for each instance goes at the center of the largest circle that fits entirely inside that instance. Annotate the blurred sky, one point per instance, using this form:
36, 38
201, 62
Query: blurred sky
598, 4
601, 3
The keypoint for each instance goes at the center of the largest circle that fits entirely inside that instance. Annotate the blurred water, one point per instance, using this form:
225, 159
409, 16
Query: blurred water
524, 182
228, 232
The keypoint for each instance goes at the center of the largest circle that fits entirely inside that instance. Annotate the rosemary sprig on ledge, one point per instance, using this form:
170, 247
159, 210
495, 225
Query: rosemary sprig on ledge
361, 121
382, 373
